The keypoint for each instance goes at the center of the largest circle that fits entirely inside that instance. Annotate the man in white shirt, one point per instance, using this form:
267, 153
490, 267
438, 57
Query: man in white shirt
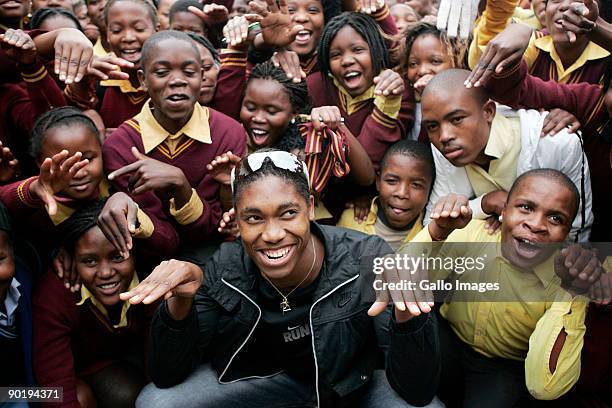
480, 149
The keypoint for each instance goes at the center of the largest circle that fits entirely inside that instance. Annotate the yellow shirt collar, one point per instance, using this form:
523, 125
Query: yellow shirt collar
86, 294
124, 85
352, 104
591, 52
499, 142
153, 134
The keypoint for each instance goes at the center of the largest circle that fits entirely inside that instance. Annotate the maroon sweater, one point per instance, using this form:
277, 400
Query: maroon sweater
374, 130
71, 341
192, 158
21, 104
117, 107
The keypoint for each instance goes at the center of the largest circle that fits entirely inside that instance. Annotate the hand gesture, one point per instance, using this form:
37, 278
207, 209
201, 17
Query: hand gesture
557, 120
493, 203
409, 302
289, 62
228, 224
170, 279
388, 82
370, 6
326, 115
73, 54
580, 18
64, 267
221, 167
505, 50
9, 165
211, 14
578, 268
451, 212
109, 67
118, 221
236, 32
18, 46
147, 174
56, 173
277, 26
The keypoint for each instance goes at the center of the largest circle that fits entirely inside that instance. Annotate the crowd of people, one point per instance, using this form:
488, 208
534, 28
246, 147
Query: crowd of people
196, 196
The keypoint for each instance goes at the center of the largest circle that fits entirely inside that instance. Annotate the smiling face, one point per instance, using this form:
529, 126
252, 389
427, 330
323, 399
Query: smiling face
540, 211
403, 189
266, 112
163, 13
553, 16
13, 10
172, 76
403, 15
457, 124
129, 26
274, 223
210, 72
76, 138
350, 61
428, 56
308, 13
186, 21
102, 269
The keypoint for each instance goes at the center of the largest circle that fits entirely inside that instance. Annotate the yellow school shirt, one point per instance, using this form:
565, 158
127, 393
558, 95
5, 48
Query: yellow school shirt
519, 330
86, 294
504, 146
347, 220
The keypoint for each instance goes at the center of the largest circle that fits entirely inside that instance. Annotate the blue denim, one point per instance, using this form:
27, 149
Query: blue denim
202, 389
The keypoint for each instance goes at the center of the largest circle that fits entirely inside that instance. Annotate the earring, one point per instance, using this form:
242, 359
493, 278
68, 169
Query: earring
293, 120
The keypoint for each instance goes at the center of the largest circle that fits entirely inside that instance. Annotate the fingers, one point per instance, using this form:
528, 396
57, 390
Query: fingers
263, 11
110, 229
289, 62
163, 280
388, 83
130, 168
557, 120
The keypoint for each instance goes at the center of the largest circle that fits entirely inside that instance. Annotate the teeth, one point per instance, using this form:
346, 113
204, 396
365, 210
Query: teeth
259, 132
351, 74
109, 285
277, 253
130, 51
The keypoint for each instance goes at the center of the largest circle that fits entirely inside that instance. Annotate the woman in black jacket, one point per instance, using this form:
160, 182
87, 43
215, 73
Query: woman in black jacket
280, 317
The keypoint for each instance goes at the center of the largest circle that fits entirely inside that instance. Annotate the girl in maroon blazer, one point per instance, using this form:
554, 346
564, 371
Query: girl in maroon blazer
129, 24
355, 77
90, 342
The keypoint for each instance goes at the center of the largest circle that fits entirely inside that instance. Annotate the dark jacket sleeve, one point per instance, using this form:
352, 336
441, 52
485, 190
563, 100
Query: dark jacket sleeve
413, 361
176, 347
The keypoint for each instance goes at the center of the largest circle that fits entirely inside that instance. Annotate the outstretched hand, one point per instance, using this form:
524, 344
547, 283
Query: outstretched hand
118, 220
221, 167
18, 46
451, 212
277, 27
56, 173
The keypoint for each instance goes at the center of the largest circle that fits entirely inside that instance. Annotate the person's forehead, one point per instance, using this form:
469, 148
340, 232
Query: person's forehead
269, 192
546, 192
171, 47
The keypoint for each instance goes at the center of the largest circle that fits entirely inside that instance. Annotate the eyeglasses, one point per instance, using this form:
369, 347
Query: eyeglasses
280, 159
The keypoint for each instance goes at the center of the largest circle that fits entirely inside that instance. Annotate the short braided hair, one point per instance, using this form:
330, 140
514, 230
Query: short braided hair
55, 118
46, 13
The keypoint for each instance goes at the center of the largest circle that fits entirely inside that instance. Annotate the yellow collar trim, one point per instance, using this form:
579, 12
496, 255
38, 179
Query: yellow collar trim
124, 85
86, 294
590, 53
499, 141
349, 103
153, 134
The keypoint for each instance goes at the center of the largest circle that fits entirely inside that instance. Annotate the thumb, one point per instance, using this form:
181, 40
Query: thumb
137, 154
377, 308
132, 217
253, 18
296, 29
49, 200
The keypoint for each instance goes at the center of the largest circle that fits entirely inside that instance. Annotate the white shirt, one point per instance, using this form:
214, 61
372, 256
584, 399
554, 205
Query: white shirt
562, 152
11, 302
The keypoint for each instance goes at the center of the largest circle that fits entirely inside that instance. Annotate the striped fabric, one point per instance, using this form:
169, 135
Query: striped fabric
322, 163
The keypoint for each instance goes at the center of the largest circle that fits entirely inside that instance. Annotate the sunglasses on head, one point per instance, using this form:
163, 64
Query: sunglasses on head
280, 159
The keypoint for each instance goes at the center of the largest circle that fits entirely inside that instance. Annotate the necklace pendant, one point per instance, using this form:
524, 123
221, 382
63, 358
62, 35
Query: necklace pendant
284, 305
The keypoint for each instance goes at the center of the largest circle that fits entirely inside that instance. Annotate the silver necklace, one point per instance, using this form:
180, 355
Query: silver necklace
284, 305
